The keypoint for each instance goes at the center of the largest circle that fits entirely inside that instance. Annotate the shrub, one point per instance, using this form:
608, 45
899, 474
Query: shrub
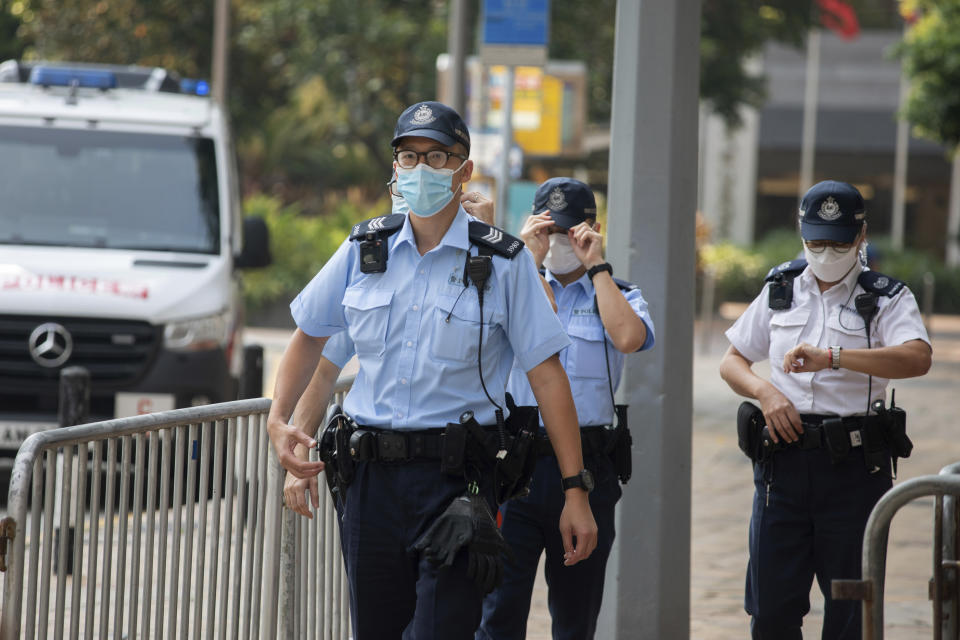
739, 271
300, 246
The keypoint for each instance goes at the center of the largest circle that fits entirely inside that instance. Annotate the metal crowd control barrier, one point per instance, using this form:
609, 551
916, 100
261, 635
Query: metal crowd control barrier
192, 551
870, 590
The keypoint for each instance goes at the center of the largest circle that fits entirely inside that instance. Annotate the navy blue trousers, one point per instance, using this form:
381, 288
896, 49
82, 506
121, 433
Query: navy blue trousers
393, 593
531, 526
808, 520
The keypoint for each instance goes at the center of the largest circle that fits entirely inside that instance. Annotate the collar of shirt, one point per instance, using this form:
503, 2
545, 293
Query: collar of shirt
584, 281
457, 236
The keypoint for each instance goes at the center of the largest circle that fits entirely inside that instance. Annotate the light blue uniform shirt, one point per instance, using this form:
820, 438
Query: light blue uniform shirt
339, 349
583, 360
416, 328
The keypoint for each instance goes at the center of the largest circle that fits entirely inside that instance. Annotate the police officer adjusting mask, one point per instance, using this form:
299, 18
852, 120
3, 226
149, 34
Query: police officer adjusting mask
832, 224
424, 179
569, 202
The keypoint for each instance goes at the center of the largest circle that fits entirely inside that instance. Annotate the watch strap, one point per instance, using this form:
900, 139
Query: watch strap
594, 270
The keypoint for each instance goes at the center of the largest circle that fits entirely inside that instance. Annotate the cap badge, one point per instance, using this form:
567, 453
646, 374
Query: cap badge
556, 201
423, 115
829, 209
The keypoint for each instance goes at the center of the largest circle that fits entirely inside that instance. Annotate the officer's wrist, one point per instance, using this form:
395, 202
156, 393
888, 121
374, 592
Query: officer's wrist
591, 263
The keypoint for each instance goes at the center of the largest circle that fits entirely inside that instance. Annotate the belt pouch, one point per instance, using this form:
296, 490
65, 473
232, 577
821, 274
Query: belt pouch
838, 439
622, 446
875, 454
453, 449
896, 426
750, 423
363, 445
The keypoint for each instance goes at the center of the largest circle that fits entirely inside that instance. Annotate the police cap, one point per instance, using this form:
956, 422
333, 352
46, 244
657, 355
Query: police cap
433, 120
831, 210
569, 201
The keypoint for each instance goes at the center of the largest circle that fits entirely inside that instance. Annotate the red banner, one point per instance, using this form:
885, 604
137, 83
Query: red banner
839, 17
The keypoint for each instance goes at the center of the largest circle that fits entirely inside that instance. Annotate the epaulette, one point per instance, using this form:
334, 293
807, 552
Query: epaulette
624, 285
879, 284
496, 240
383, 226
793, 267
781, 283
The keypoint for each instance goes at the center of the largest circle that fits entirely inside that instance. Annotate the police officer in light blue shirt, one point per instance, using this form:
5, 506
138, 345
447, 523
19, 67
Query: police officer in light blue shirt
605, 319
431, 344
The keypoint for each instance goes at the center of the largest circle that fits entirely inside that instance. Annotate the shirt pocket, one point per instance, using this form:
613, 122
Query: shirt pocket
368, 318
586, 358
846, 329
785, 330
456, 328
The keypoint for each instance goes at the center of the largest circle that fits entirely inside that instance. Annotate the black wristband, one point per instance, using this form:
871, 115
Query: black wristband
605, 266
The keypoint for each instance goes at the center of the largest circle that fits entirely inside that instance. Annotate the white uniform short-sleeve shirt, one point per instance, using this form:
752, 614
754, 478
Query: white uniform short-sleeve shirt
823, 320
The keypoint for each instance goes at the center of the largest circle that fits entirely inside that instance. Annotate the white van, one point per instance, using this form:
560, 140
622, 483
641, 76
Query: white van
120, 239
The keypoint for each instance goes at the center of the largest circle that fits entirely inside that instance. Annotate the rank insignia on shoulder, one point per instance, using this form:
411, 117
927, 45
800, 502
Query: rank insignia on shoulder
372, 235
793, 267
495, 239
880, 284
383, 226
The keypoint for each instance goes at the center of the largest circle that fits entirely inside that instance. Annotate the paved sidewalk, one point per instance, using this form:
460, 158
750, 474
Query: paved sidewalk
723, 488
722, 493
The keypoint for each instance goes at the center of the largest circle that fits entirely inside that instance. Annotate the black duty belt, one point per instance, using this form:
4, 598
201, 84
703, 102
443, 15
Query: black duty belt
813, 430
593, 440
386, 445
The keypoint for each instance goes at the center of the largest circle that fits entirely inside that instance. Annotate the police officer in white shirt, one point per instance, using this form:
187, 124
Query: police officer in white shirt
835, 333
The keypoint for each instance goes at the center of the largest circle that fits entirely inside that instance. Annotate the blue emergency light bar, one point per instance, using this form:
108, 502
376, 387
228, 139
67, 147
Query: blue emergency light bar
67, 77
195, 87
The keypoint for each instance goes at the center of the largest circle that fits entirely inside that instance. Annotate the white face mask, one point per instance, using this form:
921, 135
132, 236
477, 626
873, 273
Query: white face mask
831, 265
561, 259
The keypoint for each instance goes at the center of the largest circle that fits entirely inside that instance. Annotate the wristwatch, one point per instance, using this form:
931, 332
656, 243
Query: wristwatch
583, 480
603, 266
835, 356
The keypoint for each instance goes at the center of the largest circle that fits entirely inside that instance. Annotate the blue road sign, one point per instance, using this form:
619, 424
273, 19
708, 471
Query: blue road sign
516, 22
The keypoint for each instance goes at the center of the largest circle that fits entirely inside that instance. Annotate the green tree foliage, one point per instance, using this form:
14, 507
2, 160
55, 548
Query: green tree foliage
931, 59
731, 31
300, 245
11, 44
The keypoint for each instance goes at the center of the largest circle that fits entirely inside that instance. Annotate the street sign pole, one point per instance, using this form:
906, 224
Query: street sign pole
514, 33
506, 135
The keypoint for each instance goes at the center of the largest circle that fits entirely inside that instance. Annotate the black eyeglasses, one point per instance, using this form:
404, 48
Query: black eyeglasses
436, 158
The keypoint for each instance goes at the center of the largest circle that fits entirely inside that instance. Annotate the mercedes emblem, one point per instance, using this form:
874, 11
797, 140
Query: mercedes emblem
50, 345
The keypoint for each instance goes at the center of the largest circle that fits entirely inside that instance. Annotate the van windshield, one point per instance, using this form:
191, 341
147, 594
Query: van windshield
108, 189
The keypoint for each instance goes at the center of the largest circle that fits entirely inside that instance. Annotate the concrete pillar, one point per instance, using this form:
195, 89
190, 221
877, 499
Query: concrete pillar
652, 202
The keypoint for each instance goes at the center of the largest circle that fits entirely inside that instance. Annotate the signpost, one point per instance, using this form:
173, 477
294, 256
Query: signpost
515, 32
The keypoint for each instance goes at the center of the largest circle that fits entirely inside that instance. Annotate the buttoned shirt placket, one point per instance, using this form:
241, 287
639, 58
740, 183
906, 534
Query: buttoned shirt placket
412, 314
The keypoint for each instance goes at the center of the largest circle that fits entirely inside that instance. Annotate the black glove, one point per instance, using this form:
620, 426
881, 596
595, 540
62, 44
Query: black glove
467, 523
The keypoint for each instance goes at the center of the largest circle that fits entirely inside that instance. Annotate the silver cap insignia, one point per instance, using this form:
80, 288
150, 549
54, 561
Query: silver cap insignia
423, 115
829, 209
556, 201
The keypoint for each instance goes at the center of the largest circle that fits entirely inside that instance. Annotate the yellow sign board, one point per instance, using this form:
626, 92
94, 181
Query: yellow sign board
537, 108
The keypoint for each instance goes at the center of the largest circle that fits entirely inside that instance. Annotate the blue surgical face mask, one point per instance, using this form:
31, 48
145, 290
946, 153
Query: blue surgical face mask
399, 205
425, 189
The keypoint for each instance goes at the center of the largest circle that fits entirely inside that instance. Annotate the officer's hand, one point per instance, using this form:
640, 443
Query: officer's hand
480, 207
536, 234
577, 526
781, 416
587, 244
285, 437
804, 358
294, 494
